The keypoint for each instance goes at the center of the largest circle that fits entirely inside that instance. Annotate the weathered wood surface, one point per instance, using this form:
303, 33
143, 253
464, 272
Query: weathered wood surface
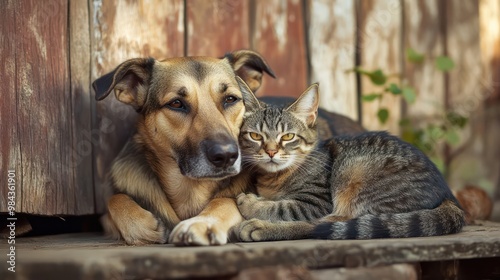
81, 95
10, 154
278, 34
466, 94
52, 51
88, 256
423, 33
332, 50
36, 112
122, 30
380, 48
489, 16
216, 27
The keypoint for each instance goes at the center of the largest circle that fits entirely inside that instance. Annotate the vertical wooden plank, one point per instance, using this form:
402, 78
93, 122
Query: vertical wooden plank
122, 30
380, 48
463, 47
81, 152
478, 72
10, 155
40, 71
489, 20
423, 34
464, 90
279, 37
332, 46
216, 27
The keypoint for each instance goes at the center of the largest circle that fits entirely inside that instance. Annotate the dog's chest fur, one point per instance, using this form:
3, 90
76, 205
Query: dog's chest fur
187, 196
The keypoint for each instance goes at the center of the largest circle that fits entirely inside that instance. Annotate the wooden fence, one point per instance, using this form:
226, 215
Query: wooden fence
60, 142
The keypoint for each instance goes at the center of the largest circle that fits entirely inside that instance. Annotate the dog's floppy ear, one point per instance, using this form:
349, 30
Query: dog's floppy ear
130, 82
250, 66
251, 102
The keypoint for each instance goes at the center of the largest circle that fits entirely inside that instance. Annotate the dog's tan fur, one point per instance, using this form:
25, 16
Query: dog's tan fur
165, 186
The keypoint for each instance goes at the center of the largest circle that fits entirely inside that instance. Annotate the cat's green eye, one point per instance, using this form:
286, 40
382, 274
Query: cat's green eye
255, 136
287, 137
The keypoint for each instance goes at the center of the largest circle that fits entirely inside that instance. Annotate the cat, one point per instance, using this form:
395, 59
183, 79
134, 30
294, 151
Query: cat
372, 185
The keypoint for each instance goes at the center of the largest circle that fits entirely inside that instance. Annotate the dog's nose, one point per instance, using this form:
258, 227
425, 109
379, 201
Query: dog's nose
221, 155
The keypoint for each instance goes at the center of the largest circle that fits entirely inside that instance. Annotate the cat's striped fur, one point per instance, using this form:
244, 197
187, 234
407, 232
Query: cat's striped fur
369, 186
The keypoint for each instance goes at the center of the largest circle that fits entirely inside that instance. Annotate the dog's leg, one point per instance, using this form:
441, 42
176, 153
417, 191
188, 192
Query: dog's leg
210, 227
136, 225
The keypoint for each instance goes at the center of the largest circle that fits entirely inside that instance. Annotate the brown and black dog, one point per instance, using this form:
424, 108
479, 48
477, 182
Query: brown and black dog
171, 179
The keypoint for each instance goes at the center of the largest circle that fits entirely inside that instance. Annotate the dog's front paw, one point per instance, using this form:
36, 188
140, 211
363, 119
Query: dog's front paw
136, 225
249, 205
142, 228
254, 230
198, 231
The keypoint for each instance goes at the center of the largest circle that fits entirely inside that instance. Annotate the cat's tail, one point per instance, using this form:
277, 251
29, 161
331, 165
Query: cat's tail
447, 218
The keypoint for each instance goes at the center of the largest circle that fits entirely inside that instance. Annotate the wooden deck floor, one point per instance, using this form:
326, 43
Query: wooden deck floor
92, 256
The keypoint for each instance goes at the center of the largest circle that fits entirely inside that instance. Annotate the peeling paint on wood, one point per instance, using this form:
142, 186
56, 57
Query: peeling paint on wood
380, 48
422, 33
279, 36
332, 49
123, 30
216, 27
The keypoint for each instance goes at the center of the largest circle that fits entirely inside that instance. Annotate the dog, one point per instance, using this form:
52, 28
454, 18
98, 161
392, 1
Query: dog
171, 180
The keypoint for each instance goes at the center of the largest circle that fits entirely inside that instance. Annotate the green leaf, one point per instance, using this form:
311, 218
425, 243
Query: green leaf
409, 94
444, 63
414, 56
394, 89
377, 77
371, 97
456, 119
405, 122
452, 137
435, 132
383, 115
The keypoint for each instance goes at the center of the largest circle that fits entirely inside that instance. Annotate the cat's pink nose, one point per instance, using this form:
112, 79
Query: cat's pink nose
271, 153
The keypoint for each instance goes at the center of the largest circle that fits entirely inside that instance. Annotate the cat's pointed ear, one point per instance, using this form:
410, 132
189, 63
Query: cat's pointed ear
251, 102
306, 106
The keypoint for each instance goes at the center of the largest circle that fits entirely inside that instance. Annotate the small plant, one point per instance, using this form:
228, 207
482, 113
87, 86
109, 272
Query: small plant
427, 137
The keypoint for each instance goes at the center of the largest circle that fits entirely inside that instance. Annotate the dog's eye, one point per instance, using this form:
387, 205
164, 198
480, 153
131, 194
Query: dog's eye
176, 104
255, 136
230, 99
287, 137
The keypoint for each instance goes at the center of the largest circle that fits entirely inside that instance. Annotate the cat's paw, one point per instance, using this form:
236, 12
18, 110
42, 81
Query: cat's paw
254, 230
248, 204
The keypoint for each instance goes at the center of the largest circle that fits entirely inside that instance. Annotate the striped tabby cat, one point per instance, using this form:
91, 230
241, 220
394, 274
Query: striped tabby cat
369, 186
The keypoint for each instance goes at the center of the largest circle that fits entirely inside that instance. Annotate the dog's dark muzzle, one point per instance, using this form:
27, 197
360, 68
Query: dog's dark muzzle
222, 153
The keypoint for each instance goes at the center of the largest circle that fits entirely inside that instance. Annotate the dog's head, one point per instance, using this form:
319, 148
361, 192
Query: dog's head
191, 107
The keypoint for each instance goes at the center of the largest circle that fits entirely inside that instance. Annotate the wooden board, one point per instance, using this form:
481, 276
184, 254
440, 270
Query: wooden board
216, 27
81, 96
380, 48
423, 34
278, 34
38, 66
10, 145
489, 20
332, 49
121, 30
90, 256
464, 91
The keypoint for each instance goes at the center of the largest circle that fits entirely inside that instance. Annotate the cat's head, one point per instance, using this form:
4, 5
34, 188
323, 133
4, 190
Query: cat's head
276, 138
